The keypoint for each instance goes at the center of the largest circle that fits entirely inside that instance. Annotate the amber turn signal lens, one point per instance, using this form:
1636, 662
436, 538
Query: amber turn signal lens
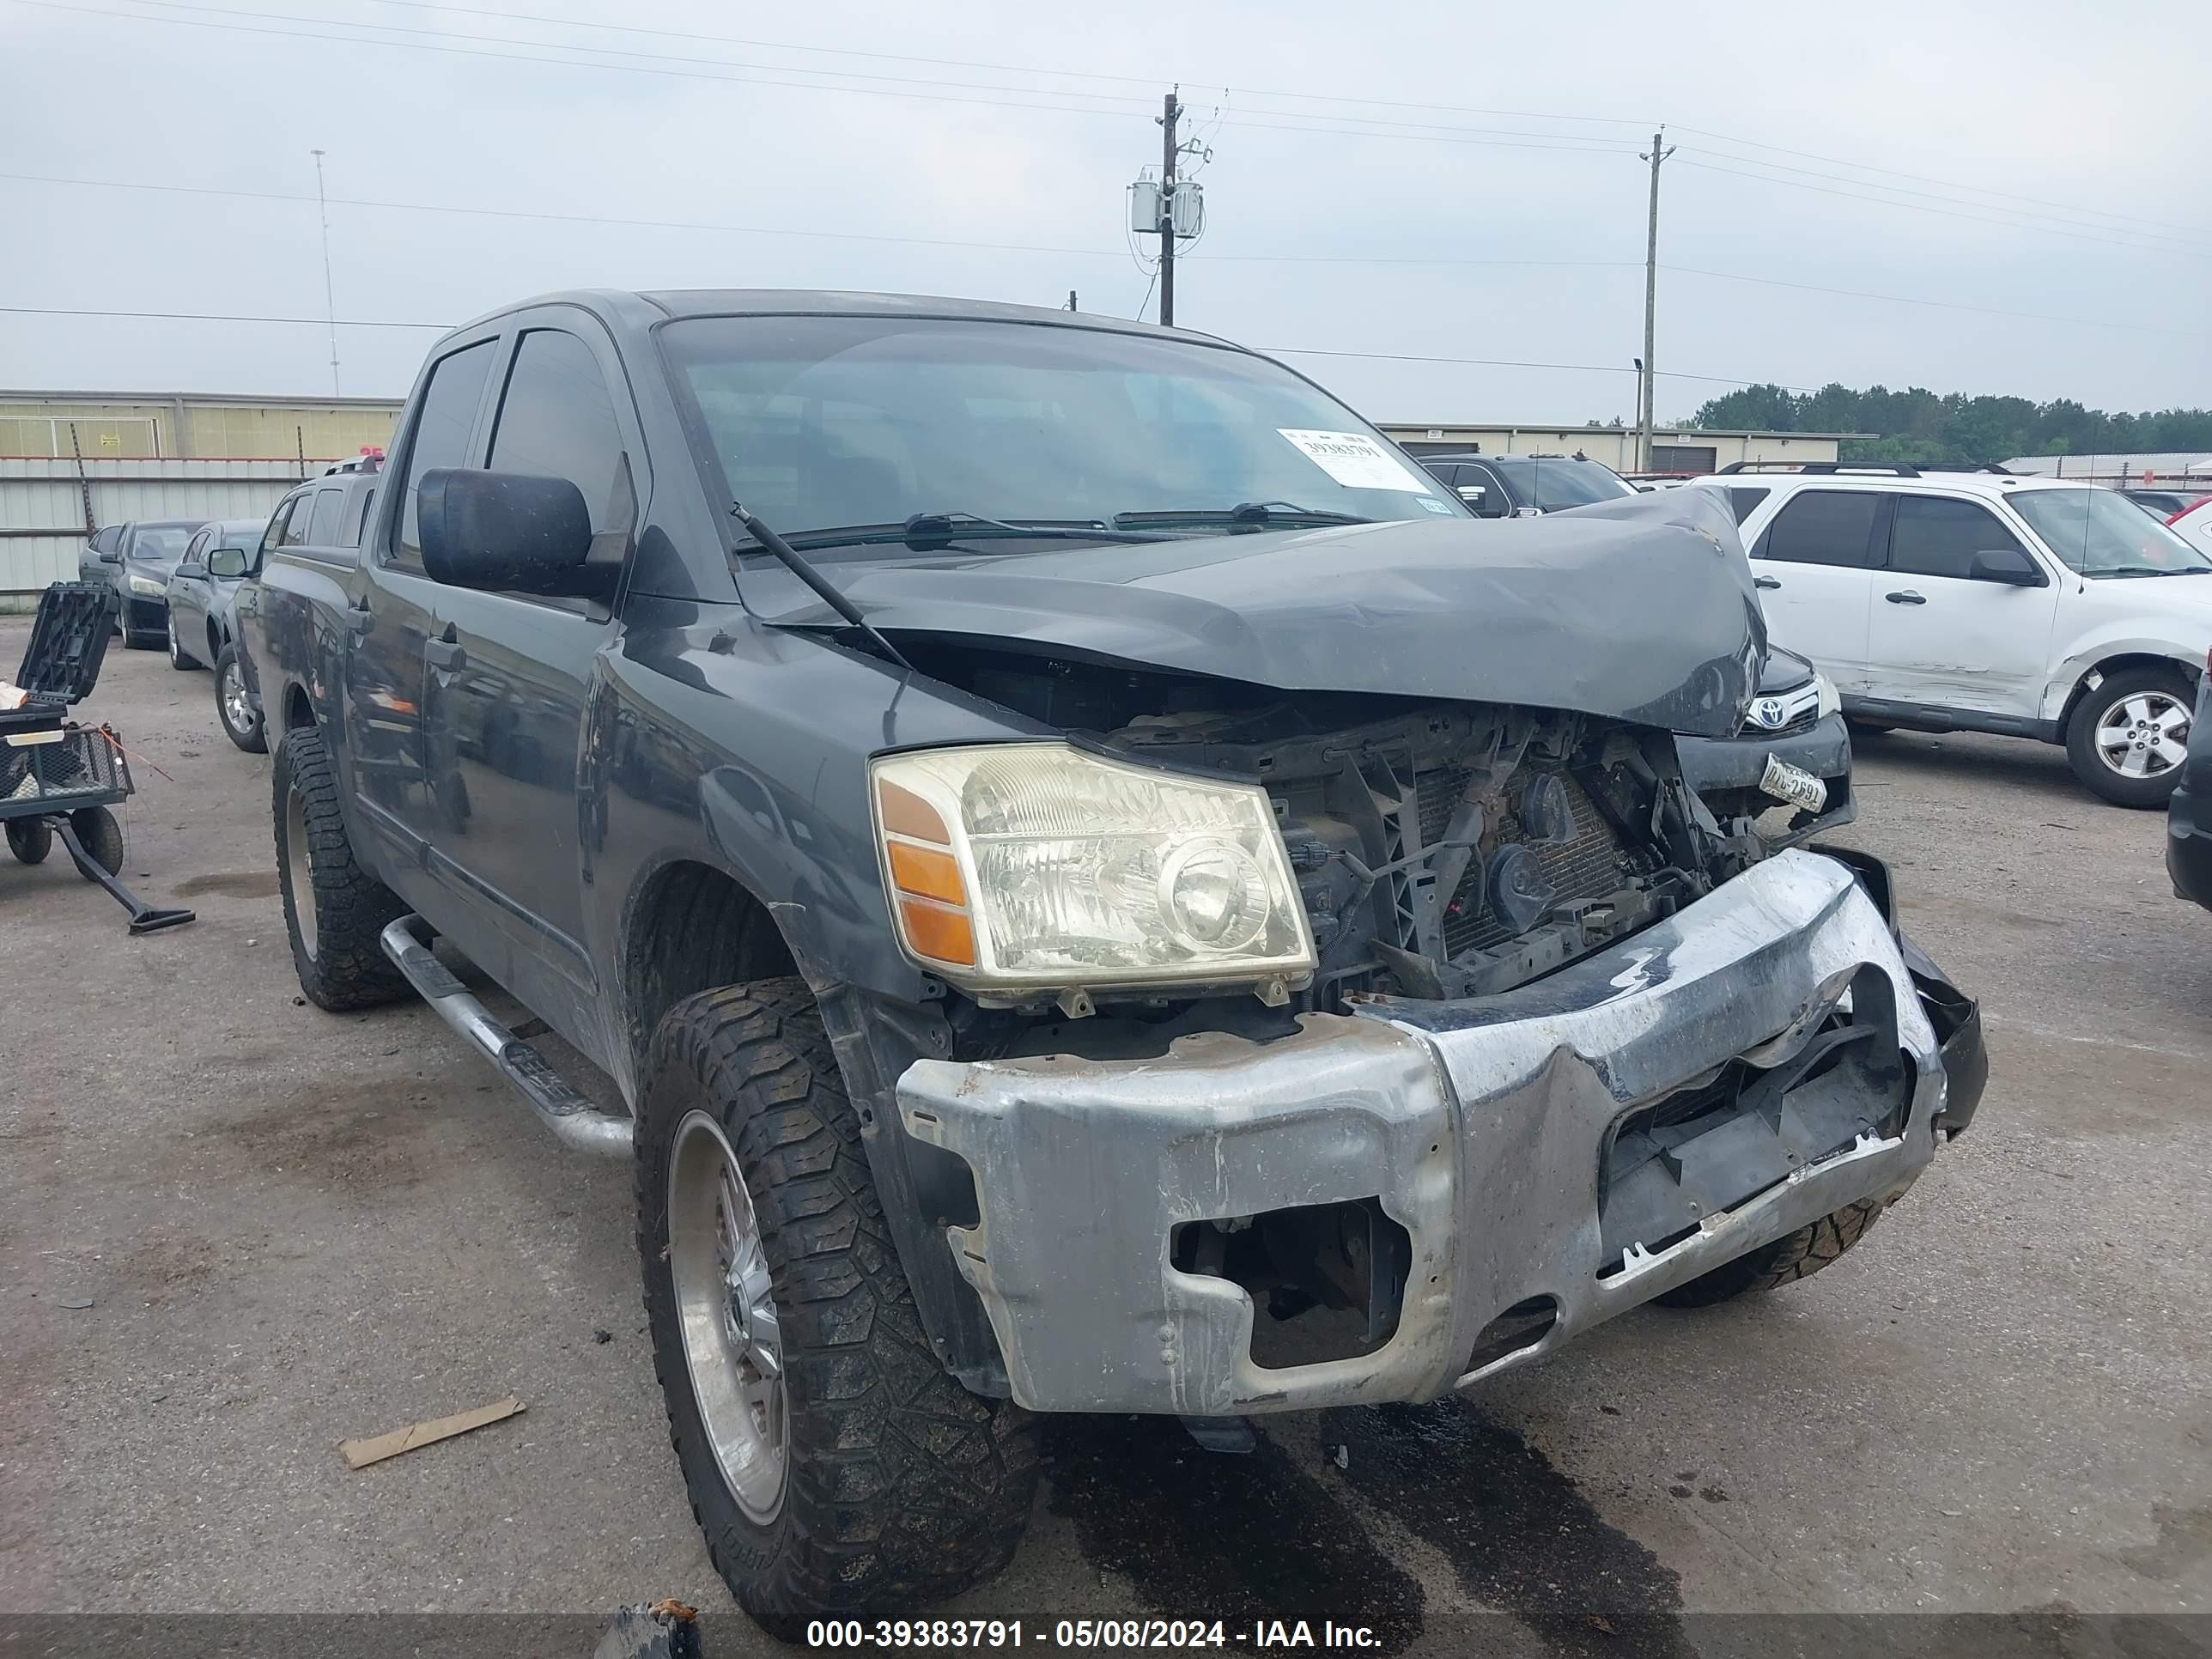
927, 873
906, 814
937, 934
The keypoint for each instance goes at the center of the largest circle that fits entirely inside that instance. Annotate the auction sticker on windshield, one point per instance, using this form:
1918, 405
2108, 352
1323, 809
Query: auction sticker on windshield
1354, 459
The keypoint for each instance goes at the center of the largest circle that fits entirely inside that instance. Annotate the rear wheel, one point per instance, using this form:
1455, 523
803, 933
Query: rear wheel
2129, 738
335, 911
30, 839
1786, 1260
101, 835
178, 657
234, 704
835, 1468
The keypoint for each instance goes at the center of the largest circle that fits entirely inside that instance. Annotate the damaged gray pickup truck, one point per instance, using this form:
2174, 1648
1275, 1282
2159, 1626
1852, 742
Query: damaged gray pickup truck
1099, 886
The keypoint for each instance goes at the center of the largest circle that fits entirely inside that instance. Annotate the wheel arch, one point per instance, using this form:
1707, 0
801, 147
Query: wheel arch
689, 925
2120, 662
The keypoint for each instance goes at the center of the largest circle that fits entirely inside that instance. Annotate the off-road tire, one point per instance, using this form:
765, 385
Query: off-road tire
180, 658
1799, 1256
255, 741
101, 835
30, 839
346, 969
2082, 735
902, 1488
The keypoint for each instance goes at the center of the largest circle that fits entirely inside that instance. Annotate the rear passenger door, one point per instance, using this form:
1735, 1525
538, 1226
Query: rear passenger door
510, 673
1813, 564
1941, 639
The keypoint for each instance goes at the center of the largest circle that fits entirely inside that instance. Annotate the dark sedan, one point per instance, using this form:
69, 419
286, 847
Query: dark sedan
2189, 809
203, 589
136, 560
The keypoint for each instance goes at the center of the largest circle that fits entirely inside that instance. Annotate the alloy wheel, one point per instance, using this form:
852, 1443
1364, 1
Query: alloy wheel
2145, 735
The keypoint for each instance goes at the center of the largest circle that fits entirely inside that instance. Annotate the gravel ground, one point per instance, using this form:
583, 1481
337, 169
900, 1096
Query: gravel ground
293, 1228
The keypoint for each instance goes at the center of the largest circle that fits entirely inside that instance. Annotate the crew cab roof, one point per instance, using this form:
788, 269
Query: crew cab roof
670, 303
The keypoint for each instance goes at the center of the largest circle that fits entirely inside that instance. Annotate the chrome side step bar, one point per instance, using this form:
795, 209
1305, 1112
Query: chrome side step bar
559, 1107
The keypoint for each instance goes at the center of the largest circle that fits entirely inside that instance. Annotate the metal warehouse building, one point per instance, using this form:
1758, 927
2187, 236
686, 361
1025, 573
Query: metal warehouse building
1673, 449
73, 461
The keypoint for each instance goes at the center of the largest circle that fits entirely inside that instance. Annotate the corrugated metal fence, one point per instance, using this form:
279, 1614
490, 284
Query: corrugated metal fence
43, 505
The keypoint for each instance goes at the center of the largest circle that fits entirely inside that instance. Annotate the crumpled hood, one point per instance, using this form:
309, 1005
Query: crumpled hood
1640, 609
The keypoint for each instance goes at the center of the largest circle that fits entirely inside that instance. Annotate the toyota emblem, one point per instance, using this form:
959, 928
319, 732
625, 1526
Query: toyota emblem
1769, 713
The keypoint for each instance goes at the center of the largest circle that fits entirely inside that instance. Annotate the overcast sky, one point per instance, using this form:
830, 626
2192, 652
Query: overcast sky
2042, 160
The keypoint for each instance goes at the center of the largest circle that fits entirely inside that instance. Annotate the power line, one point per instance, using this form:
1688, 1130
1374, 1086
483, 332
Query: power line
2024, 215
2106, 238
716, 227
1922, 178
1286, 351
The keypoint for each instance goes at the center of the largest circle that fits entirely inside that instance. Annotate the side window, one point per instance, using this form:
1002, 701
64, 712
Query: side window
1823, 526
557, 421
107, 540
440, 436
1741, 501
362, 517
1496, 502
274, 535
296, 521
323, 524
195, 550
1934, 536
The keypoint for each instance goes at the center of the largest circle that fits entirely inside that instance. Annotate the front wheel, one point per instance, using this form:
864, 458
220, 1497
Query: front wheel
178, 657
234, 705
1787, 1259
837, 1469
2129, 738
101, 835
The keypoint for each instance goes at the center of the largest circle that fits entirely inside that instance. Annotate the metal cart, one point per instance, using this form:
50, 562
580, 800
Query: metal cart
58, 777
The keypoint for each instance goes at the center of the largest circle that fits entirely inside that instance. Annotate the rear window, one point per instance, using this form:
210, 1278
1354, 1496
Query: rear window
322, 525
1742, 500
1823, 526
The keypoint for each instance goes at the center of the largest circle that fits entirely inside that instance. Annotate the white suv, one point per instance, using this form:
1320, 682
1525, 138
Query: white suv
1976, 601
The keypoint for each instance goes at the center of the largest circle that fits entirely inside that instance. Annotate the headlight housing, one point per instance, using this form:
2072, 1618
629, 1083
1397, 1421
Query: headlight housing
148, 587
1830, 702
1036, 866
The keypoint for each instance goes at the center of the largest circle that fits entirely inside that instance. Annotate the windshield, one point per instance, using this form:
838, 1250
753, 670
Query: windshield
1552, 486
161, 542
2101, 532
819, 423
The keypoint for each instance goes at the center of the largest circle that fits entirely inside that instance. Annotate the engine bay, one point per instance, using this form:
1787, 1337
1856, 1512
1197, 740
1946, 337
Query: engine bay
1441, 850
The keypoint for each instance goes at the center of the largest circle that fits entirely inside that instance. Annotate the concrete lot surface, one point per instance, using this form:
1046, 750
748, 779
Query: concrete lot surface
293, 1228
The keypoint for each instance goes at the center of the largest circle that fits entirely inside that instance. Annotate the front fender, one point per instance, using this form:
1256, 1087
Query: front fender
2103, 646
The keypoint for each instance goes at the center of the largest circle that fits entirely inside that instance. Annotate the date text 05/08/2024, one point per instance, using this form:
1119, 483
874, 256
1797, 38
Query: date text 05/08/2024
925, 1634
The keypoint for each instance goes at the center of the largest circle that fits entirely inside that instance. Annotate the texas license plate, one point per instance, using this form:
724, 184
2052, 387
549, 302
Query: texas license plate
1794, 785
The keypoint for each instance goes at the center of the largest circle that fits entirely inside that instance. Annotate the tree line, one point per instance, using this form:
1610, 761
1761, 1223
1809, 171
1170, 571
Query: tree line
1916, 424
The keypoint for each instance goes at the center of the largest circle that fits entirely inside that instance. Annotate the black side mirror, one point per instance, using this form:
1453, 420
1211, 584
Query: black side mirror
2008, 565
505, 531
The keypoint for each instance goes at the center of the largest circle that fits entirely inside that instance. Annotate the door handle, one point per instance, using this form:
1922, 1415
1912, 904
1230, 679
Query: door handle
1906, 597
357, 618
1764, 581
445, 654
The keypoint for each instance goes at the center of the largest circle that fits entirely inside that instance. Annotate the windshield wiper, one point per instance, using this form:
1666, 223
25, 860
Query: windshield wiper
1260, 513
929, 531
800, 567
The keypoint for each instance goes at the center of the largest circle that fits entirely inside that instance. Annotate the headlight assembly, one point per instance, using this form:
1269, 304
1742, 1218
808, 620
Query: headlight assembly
1830, 702
148, 587
1035, 866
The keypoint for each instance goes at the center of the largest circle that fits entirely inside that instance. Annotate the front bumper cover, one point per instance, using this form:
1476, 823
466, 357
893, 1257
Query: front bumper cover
1481, 1127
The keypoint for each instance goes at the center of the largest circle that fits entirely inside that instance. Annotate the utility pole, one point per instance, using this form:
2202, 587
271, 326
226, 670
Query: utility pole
330, 303
1650, 305
1171, 112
